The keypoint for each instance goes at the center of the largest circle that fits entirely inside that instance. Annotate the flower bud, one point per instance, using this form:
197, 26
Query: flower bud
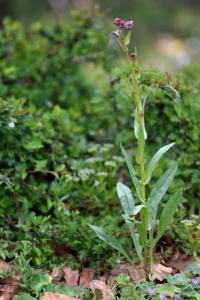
119, 22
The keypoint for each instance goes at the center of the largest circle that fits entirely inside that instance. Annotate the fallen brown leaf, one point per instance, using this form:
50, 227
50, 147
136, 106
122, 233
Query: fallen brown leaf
71, 277
8, 289
119, 271
55, 296
160, 271
179, 261
86, 277
5, 266
100, 290
136, 273
56, 274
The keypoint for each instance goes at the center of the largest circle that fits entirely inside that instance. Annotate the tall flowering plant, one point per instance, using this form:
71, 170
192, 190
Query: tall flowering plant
145, 227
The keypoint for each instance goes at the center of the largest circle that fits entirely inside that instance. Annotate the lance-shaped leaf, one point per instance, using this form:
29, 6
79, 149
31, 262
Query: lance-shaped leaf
167, 215
154, 161
132, 172
176, 96
126, 198
109, 239
158, 193
128, 205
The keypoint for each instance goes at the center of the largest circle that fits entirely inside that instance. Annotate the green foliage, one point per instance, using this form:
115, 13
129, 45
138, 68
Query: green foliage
85, 294
179, 285
61, 119
39, 281
24, 296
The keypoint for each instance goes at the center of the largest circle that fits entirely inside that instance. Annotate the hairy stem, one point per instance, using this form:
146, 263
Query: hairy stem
140, 158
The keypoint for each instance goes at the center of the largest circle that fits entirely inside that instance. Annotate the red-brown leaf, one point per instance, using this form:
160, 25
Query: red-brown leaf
86, 277
56, 274
8, 289
161, 272
136, 273
4, 266
71, 277
99, 287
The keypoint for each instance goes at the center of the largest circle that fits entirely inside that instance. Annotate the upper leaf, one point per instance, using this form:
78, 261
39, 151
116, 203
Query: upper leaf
154, 161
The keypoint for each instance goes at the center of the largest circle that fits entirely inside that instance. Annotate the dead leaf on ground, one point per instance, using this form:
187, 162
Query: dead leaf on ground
5, 266
104, 277
56, 274
119, 271
71, 277
55, 296
179, 261
196, 234
161, 272
136, 273
86, 277
8, 289
100, 290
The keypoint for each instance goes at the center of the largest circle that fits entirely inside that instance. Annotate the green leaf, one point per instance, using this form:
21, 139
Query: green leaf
154, 161
38, 281
131, 171
158, 193
109, 239
167, 215
33, 144
128, 205
24, 296
126, 198
175, 93
193, 267
66, 290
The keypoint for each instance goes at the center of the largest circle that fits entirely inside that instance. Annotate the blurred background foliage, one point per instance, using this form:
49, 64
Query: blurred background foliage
167, 33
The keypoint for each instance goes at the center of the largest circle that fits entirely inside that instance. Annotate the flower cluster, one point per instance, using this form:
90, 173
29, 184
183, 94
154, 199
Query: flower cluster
127, 25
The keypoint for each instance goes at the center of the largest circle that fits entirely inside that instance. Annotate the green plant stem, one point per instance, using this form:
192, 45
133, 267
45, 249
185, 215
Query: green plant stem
140, 160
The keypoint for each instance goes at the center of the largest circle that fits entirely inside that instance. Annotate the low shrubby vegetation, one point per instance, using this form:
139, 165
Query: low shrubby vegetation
65, 108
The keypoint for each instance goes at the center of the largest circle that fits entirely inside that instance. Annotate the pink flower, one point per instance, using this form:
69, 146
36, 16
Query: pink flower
128, 25
119, 22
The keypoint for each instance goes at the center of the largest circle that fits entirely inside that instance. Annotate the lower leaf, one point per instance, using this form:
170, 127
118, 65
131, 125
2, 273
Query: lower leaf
109, 239
167, 215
